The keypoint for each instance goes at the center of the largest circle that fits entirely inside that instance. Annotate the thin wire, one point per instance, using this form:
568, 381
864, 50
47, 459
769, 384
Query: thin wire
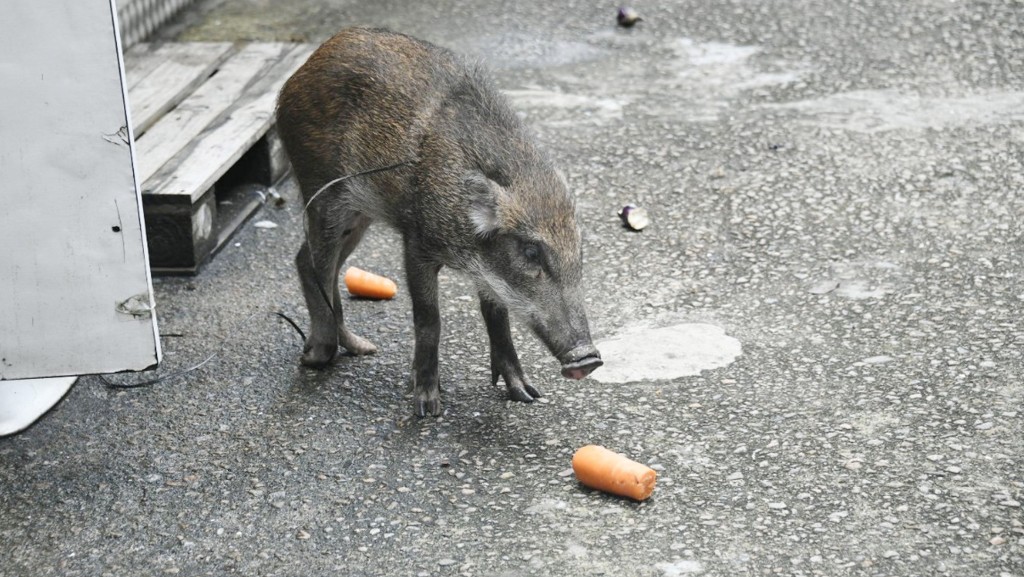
323, 293
292, 323
150, 382
157, 380
348, 176
305, 222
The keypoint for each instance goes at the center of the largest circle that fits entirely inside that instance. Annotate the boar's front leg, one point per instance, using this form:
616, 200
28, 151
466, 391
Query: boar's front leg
421, 274
504, 360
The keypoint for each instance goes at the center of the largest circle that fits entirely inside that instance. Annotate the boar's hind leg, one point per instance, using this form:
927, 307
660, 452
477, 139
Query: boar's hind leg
504, 360
422, 278
318, 262
351, 234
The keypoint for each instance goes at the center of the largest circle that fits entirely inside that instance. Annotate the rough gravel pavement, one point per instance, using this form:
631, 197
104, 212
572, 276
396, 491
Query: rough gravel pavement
836, 185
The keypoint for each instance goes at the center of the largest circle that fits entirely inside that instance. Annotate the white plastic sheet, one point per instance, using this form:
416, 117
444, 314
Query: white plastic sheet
75, 291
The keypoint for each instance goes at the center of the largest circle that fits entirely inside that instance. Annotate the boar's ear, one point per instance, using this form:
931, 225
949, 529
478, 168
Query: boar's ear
485, 203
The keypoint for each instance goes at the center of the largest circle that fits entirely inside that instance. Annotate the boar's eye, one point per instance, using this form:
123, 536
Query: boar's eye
531, 252
534, 256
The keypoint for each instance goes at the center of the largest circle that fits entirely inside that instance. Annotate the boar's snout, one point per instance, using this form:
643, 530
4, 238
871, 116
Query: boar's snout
580, 361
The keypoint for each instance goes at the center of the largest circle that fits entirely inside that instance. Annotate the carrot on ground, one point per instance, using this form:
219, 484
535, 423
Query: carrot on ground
361, 283
599, 468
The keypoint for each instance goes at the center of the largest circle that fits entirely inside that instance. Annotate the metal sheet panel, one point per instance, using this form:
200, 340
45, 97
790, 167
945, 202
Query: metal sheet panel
75, 290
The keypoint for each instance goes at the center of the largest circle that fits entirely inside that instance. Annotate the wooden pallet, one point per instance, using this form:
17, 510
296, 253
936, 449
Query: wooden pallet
202, 115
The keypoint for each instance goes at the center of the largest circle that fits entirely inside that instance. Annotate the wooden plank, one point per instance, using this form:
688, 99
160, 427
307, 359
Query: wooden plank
180, 236
142, 59
196, 168
176, 129
138, 60
174, 78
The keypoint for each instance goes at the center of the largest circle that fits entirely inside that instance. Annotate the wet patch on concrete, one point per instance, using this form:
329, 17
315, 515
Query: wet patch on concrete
648, 354
511, 50
870, 111
682, 78
577, 107
680, 567
859, 280
728, 66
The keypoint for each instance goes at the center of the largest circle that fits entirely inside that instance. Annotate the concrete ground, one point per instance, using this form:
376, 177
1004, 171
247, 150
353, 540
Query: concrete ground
836, 185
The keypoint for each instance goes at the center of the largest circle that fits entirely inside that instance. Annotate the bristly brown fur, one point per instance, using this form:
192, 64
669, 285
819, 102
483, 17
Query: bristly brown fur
473, 193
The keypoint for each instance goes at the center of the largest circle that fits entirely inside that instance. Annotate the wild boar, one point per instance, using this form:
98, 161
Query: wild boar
459, 178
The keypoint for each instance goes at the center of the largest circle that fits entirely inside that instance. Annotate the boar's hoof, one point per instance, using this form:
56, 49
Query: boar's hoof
430, 407
578, 369
318, 356
526, 393
355, 344
428, 403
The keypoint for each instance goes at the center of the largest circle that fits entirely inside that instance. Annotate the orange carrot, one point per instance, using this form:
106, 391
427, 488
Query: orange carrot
605, 470
366, 284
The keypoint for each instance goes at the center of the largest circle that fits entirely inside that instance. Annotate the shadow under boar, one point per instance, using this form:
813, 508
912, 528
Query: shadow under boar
462, 182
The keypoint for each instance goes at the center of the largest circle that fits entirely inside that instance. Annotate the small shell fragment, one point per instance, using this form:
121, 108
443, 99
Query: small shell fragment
627, 17
634, 217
